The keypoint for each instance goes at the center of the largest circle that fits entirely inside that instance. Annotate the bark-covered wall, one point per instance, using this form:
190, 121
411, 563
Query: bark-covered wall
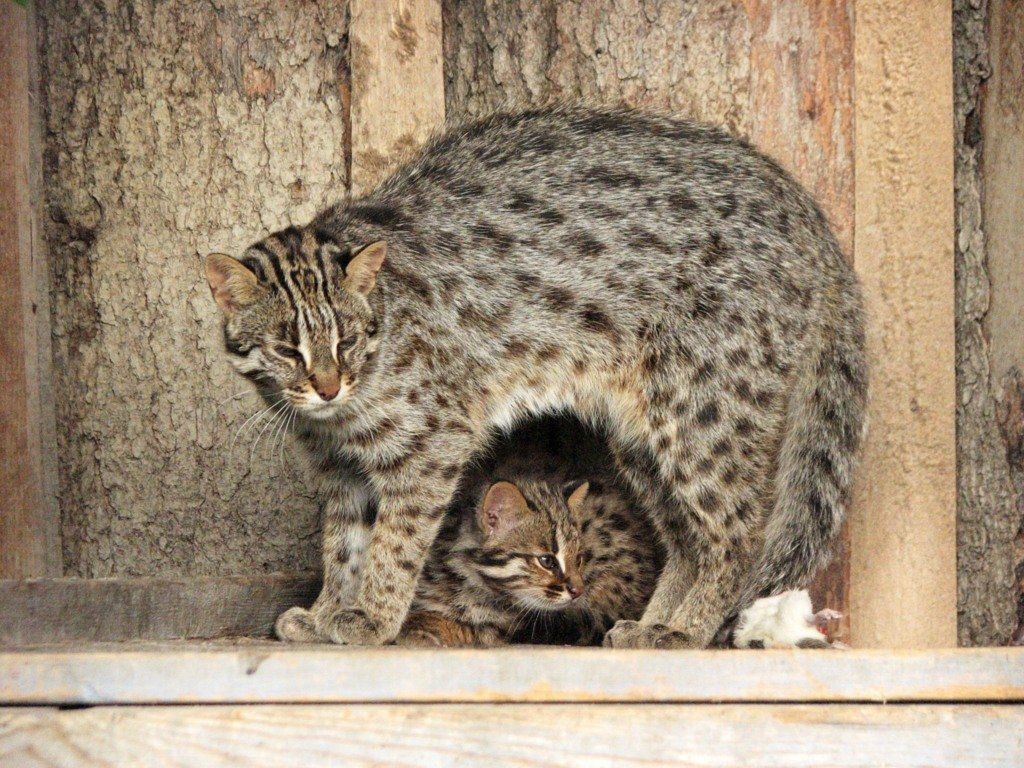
988, 515
1002, 126
174, 129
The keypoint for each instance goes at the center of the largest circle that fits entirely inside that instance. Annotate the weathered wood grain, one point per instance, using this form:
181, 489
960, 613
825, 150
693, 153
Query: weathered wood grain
497, 736
269, 672
397, 83
83, 610
903, 520
29, 523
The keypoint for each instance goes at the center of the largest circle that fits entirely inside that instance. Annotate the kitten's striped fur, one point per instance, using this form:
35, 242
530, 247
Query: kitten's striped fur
486, 585
649, 275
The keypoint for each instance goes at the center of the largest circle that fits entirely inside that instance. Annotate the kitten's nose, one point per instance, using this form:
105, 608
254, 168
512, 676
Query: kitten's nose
575, 590
326, 386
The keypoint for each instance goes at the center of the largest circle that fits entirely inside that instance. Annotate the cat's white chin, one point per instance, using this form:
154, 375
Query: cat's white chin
320, 411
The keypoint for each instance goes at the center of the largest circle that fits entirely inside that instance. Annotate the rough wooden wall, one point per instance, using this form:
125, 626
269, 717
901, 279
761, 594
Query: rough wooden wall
779, 74
174, 129
987, 513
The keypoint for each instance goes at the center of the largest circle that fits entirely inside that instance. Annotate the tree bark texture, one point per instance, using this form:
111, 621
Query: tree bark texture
779, 74
174, 129
988, 517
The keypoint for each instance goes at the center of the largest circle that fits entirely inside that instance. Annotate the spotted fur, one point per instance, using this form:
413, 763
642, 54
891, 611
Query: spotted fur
652, 276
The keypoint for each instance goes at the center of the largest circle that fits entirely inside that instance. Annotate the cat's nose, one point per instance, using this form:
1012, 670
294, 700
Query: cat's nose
326, 386
575, 590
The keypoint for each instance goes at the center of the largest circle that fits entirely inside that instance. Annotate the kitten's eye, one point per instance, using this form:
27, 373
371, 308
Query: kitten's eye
371, 329
548, 562
346, 344
289, 352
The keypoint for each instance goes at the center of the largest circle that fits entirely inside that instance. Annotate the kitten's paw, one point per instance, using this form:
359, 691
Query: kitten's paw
419, 640
296, 626
350, 626
633, 634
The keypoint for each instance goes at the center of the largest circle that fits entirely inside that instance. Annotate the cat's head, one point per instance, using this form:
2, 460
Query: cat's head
298, 318
532, 544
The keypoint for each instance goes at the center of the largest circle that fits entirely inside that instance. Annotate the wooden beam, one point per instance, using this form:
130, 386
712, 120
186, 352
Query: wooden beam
499, 736
903, 524
397, 83
255, 672
82, 610
29, 523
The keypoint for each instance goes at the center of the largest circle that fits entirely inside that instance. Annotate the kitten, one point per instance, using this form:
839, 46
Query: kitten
650, 275
534, 562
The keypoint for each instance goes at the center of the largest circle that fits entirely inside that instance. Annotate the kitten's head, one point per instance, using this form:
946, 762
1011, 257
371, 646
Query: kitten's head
532, 549
297, 316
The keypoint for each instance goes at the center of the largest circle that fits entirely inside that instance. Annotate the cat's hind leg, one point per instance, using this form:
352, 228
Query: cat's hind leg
699, 469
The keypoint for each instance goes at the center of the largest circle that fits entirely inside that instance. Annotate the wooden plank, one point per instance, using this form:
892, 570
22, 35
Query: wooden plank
496, 736
903, 524
29, 525
76, 610
275, 673
397, 83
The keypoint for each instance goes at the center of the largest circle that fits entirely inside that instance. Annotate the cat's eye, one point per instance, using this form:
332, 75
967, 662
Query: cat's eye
371, 329
346, 344
548, 562
288, 352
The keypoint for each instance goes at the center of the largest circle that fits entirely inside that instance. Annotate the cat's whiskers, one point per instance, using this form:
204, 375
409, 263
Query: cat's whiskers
245, 424
235, 396
283, 431
253, 421
521, 618
278, 414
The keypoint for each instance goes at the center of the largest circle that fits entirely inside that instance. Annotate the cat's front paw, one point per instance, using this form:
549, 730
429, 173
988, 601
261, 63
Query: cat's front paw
296, 625
634, 634
349, 626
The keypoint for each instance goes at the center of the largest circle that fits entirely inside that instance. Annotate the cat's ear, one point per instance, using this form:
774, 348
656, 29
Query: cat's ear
503, 506
575, 493
233, 284
361, 270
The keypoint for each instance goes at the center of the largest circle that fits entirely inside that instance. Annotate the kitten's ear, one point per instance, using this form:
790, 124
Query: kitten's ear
361, 271
503, 506
233, 284
576, 492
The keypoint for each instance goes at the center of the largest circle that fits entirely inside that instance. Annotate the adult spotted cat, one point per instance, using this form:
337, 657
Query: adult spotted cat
654, 277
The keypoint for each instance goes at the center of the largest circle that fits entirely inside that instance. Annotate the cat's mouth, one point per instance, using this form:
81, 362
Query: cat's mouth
312, 405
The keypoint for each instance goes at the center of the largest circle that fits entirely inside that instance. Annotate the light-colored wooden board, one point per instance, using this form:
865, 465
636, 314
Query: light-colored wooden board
275, 673
29, 524
397, 83
903, 519
36, 611
498, 736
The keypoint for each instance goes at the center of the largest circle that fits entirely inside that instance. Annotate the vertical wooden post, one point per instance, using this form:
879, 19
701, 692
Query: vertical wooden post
29, 524
397, 83
903, 526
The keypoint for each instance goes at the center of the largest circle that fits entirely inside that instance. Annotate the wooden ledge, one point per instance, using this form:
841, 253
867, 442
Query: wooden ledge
266, 672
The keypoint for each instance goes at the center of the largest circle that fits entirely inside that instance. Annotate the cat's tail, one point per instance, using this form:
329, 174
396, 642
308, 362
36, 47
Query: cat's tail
817, 456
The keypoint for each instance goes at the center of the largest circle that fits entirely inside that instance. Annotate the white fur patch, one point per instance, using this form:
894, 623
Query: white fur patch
780, 621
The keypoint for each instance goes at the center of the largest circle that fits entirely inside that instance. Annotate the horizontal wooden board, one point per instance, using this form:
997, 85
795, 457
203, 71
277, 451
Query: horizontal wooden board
273, 673
36, 611
946, 736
